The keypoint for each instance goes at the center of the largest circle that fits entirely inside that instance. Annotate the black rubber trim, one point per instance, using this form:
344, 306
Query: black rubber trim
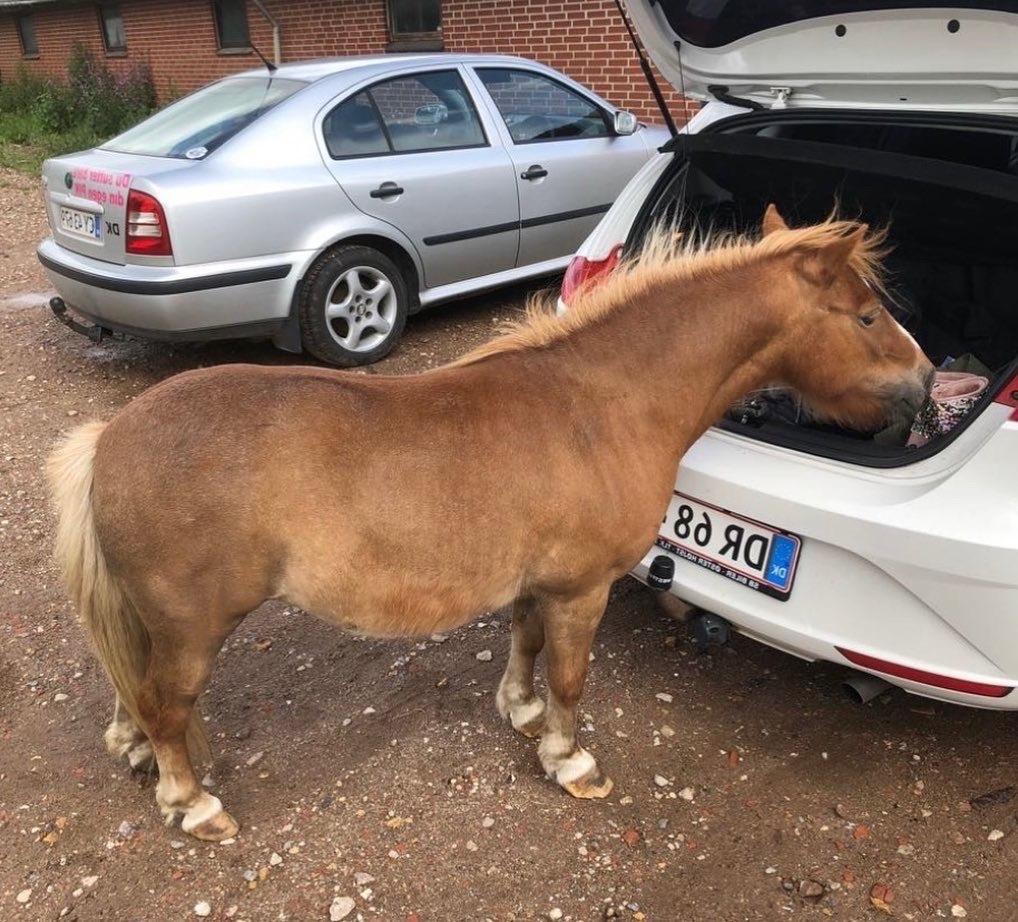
515, 225
173, 287
252, 329
743, 121
472, 233
977, 180
565, 216
721, 94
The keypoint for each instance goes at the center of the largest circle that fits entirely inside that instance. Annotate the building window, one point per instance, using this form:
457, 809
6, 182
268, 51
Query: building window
26, 32
231, 24
415, 24
112, 23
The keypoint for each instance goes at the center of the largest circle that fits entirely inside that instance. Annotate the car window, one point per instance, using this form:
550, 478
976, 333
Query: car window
197, 124
428, 112
537, 108
422, 112
353, 129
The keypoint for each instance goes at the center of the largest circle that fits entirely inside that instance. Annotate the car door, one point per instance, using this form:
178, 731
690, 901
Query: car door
412, 150
569, 165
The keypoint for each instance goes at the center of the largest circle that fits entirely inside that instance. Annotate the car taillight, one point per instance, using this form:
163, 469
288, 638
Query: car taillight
583, 271
925, 678
1008, 395
147, 233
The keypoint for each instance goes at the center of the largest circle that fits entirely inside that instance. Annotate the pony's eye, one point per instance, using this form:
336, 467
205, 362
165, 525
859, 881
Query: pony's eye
867, 320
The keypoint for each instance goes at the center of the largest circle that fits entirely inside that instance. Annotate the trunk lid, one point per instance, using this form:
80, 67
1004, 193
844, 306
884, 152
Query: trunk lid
936, 54
86, 198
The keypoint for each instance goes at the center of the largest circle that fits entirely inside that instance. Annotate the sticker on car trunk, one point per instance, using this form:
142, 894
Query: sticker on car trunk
756, 555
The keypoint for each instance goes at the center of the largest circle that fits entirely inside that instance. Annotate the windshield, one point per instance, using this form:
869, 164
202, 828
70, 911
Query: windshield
197, 124
713, 23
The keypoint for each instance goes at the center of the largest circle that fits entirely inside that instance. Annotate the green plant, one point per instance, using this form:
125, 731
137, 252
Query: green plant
53, 107
50, 116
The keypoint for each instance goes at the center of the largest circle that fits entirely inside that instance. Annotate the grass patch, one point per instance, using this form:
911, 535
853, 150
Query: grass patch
43, 117
27, 156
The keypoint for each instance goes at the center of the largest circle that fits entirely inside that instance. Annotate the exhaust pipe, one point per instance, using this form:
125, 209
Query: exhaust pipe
862, 687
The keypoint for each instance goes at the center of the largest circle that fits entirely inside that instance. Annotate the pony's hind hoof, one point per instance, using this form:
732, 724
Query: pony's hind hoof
533, 729
528, 718
219, 827
596, 787
121, 737
141, 758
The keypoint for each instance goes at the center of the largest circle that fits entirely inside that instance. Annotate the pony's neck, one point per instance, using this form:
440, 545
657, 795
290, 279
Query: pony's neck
686, 349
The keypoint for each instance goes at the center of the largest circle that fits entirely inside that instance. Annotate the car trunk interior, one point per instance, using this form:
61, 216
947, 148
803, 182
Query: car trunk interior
947, 191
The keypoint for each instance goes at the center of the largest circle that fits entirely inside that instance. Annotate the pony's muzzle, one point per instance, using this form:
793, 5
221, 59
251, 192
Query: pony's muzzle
911, 394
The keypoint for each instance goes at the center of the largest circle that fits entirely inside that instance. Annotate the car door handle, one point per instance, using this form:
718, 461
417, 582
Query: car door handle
534, 172
385, 190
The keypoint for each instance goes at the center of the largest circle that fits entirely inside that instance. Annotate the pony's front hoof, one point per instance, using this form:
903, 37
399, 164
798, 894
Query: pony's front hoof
594, 787
581, 777
208, 821
219, 827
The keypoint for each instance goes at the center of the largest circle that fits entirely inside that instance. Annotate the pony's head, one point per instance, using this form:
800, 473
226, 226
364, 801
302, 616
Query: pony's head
851, 361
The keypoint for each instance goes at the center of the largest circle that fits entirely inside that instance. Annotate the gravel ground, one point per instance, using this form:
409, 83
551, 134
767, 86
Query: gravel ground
375, 779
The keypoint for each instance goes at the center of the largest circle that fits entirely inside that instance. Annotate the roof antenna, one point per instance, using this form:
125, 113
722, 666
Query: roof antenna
649, 74
272, 68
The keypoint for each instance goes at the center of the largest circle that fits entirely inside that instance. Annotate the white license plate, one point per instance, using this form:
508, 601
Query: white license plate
748, 552
81, 223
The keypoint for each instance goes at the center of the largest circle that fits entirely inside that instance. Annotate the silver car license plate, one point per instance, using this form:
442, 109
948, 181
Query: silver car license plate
751, 553
80, 223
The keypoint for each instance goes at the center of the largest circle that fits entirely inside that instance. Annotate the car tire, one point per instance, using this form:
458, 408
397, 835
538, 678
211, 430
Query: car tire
346, 298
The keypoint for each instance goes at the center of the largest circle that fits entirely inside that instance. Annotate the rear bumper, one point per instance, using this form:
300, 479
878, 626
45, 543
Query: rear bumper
917, 568
219, 300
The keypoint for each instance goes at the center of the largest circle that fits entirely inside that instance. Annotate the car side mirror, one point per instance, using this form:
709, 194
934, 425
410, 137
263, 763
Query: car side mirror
624, 123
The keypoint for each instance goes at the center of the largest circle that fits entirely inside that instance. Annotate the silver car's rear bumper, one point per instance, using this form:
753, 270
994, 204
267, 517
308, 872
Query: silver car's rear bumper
244, 297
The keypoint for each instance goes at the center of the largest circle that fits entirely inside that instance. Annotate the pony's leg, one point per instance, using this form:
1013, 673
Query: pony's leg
123, 734
124, 737
569, 627
516, 700
178, 670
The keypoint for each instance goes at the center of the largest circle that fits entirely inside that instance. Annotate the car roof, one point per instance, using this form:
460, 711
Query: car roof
369, 64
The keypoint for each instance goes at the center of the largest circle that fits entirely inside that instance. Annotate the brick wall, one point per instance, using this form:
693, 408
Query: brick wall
581, 38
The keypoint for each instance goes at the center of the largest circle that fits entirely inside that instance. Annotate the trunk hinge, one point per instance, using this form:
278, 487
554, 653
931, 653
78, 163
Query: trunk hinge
781, 95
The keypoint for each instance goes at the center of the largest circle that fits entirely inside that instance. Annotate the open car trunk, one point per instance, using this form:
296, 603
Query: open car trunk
948, 190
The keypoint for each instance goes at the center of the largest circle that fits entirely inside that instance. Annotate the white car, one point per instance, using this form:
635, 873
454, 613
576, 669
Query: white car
833, 545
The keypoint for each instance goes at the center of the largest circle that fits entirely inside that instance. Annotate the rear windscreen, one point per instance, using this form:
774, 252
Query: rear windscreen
197, 124
712, 23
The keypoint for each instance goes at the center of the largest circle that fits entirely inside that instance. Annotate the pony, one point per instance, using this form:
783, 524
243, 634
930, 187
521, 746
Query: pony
533, 472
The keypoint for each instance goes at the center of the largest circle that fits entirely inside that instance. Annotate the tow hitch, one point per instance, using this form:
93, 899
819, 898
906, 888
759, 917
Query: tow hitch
91, 331
709, 630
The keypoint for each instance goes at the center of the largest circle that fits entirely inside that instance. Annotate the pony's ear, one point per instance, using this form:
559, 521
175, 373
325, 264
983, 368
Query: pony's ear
821, 265
772, 220
836, 254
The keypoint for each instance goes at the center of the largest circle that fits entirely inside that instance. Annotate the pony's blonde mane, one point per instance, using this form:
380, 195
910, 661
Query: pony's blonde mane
670, 255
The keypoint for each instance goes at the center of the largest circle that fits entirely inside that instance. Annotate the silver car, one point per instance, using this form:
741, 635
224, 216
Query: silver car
324, 202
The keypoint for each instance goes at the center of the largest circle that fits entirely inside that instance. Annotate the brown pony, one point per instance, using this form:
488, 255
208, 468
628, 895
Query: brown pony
533, 471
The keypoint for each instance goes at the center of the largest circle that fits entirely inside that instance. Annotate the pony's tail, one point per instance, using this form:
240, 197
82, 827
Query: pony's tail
117, 633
